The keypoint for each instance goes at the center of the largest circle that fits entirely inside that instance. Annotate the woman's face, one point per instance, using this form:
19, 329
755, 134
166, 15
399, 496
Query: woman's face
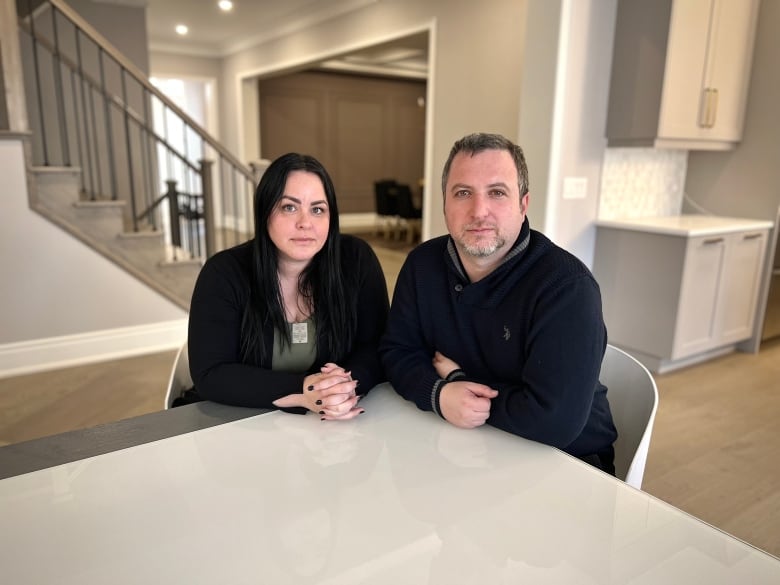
299, 223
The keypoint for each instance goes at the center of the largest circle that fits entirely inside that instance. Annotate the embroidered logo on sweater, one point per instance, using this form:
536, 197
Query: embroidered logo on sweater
507, 335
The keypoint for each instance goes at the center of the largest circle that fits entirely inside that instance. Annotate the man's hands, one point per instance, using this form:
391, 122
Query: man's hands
466, 404
331, 393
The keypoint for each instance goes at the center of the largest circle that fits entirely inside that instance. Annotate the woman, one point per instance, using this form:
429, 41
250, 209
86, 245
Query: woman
290, 319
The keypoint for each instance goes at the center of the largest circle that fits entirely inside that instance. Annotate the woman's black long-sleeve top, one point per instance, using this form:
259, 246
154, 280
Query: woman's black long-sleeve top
218, 303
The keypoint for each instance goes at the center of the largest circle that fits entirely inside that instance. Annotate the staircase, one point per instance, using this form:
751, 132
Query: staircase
100, 224
98, 154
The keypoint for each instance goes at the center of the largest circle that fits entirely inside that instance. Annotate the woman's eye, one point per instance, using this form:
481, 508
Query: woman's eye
288, 207
318, 210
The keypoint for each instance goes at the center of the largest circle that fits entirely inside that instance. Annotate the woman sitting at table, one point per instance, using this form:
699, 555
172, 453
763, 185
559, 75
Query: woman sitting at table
292, 318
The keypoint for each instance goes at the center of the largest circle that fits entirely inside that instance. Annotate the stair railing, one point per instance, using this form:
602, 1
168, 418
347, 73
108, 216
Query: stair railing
90, 107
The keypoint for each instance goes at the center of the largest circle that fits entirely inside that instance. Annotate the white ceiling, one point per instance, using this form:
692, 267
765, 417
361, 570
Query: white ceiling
216, 33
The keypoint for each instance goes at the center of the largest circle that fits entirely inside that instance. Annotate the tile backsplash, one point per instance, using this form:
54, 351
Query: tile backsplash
642, 182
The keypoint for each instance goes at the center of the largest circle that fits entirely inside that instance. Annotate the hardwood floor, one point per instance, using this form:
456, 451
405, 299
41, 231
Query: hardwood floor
714, 449
713, 452
47, 403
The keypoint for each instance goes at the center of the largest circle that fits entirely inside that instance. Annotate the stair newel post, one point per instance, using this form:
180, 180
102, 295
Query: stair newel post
206, 171
173, 214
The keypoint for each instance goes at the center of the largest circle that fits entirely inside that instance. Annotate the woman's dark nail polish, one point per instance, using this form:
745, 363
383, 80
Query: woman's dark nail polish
322, 419
322, 412
318, 402
310, 388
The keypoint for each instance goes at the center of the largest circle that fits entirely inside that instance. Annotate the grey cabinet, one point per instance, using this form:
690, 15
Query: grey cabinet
671, 294
680, 73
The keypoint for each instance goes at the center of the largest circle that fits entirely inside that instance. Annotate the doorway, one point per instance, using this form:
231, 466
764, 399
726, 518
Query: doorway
362, 128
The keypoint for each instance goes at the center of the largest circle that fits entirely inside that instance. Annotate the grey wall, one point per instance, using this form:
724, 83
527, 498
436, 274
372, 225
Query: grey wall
477, 64
534, 70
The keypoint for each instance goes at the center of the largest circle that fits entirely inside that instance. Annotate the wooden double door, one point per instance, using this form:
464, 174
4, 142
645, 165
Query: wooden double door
361, 128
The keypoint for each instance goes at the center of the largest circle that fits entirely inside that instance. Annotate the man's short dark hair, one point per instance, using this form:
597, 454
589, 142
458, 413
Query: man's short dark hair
476, 143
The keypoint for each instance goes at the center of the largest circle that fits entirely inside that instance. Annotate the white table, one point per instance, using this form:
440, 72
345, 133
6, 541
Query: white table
396, 496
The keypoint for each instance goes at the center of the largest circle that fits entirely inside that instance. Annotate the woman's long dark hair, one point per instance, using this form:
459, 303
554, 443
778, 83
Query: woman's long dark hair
321, 282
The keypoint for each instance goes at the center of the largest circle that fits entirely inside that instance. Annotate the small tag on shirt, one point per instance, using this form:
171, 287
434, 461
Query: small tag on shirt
300, 333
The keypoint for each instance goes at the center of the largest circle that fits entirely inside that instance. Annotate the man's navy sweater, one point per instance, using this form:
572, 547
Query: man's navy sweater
533, 330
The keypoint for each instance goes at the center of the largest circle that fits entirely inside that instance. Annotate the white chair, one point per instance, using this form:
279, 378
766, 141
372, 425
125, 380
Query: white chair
633, 399
180, 379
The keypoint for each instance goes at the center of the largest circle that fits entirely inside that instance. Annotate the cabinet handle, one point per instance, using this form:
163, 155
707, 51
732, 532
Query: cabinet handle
704, 110
712, 241
751, 236
713, 107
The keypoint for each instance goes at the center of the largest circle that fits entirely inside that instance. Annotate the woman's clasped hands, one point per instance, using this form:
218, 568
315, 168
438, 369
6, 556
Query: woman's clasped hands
331, 393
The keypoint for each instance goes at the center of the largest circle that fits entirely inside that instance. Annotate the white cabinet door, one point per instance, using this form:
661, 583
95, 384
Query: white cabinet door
696, 329
738, 290
727, 73
684, 72
719, 291
707, 70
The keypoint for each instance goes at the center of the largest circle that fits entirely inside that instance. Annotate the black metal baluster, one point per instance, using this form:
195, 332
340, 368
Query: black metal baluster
109, 133
128, 146
236, 237
146, 162
84, 88
58, 91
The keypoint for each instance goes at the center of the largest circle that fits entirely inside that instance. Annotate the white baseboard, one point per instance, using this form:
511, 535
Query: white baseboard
357, 220
39, 355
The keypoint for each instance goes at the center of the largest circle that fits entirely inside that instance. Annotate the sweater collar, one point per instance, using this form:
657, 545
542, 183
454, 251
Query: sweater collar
520, 245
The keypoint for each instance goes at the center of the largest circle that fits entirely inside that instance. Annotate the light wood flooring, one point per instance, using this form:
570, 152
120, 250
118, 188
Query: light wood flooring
713, 454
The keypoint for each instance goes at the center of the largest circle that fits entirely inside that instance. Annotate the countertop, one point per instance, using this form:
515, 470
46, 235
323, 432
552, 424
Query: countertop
687, 225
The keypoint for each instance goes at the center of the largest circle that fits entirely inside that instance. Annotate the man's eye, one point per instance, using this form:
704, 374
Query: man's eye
497, 193
461, 193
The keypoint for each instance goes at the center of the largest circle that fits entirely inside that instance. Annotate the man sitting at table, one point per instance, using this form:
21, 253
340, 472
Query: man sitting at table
494, 323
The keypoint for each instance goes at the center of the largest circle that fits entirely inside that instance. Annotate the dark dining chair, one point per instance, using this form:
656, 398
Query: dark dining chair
386, 202
409, 215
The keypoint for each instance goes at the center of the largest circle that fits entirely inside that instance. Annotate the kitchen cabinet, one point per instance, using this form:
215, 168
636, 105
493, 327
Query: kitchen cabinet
677, 289
680, 73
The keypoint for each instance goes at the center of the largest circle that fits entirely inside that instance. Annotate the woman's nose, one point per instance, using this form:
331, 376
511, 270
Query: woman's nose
302, 220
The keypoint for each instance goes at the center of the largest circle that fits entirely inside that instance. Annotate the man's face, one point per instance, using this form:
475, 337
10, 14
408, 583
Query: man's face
482, 204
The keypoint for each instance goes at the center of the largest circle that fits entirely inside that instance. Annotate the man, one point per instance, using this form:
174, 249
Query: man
496, 324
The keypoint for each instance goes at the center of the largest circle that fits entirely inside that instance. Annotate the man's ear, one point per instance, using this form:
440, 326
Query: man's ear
524, 200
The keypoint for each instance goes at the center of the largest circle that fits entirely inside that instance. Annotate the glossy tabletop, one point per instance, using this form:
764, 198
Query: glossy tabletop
396, 496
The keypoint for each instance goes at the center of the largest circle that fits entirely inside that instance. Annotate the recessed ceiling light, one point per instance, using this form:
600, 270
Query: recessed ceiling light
182, 29
225, 5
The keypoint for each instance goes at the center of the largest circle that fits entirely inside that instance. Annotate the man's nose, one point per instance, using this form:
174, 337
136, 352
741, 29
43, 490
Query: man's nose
479, 205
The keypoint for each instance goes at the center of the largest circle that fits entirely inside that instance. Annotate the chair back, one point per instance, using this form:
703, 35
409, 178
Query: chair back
406, 208
633, 400
180, 379
385, 197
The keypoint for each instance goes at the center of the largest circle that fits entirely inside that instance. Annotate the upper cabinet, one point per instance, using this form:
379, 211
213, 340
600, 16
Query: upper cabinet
680, 73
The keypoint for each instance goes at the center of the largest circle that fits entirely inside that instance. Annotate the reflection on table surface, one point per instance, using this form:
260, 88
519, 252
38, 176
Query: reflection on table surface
395, 496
